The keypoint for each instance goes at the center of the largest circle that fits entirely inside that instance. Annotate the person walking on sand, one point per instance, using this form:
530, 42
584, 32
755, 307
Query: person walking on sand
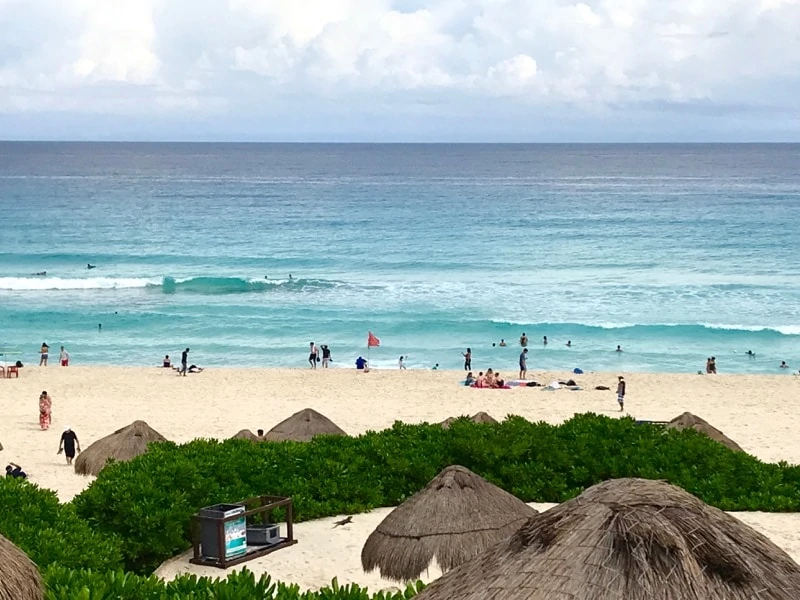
184, 362
312, 355
69, 442
621, 393
523, 364
45, 410
523, 340
467, 359
44, 352
712, 365
63, 357
401, 363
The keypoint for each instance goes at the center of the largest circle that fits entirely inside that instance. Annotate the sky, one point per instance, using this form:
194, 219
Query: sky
400, 70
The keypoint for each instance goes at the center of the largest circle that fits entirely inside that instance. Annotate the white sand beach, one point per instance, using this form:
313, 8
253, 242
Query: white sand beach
759, 412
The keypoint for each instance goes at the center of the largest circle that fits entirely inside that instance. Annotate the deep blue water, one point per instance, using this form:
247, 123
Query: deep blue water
675, 252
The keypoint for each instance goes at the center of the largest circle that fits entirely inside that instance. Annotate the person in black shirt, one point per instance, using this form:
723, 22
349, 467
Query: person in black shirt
326, 356
184, 362
69, 441
14, 470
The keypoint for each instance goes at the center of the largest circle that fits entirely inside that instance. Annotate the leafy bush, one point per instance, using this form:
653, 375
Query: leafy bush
67, 584
52, 533
147, 502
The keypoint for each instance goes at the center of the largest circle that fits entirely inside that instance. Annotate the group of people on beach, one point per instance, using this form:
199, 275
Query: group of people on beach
314, 355
44, 355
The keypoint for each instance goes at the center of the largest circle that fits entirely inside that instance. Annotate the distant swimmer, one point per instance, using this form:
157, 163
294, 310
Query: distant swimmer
290, 276
90, 266
502, 343
751, 354
40, 273
619, 349
544, 340
523, 340
99, 327
784, 365
569, 343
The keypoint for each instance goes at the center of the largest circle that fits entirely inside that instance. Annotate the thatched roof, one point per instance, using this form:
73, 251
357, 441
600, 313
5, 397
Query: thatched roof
302, 426
479, 417
454, 518
627, 539
246, 434
124, 444
689, 421
19, 577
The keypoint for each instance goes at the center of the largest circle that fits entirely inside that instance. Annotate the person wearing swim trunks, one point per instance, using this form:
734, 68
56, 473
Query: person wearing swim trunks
312, 355
523, 363
523, 340
44, 351
63, 357
621, 393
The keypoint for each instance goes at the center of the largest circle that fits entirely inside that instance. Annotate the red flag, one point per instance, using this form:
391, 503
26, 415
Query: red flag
372, 340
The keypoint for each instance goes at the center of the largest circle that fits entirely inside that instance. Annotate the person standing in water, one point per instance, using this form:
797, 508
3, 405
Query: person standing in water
69, 441
312, 355
467, 359
523, 340
621, 393
544, 341
569, 343
44, 352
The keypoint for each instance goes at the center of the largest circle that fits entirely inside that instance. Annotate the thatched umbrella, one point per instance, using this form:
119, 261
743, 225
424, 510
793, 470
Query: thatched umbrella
302, 426
454, 518
19, 577
689, 421
124, 444
627, 539
246, 434
479, 417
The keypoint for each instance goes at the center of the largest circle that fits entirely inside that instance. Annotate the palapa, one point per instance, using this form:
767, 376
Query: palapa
302, 426
689, 421
455, 517
246, 434
627, 539
479, 417
19, 577
124, 444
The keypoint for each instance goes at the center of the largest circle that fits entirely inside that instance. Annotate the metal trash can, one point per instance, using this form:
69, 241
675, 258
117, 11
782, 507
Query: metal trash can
234, 532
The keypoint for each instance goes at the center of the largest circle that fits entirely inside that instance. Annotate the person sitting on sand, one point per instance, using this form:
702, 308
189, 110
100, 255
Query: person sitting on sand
435, 367
784, 365
470, 379
498, 381
45, 410
195, 369
15, 471
361, 364
481, 380
167, 363
489, 379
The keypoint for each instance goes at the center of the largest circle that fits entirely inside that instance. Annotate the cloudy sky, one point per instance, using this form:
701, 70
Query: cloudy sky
400, 70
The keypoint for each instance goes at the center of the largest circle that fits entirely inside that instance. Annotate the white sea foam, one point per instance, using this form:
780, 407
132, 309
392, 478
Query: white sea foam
89, 283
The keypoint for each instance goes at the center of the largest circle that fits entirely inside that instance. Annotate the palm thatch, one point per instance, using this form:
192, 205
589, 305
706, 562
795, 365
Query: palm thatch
19, 577
689, 421
124, 444
302, 426
479, 417
627, 539
454, 518
246, 434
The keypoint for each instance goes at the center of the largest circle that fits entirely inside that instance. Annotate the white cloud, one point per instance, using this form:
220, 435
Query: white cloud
250, 56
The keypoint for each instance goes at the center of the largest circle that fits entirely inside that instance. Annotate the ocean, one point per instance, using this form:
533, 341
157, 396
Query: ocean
247, 252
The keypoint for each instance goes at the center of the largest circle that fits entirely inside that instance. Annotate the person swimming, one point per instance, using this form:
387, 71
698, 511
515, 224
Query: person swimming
90, 266
39, 274
751, 354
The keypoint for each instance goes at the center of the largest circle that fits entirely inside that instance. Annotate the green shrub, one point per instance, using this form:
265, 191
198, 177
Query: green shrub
52, 533
67, 584
147, 502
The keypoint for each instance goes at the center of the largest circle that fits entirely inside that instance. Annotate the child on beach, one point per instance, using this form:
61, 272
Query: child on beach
621, 393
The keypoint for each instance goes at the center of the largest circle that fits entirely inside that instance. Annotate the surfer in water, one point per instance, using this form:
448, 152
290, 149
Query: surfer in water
90, 266
40, 273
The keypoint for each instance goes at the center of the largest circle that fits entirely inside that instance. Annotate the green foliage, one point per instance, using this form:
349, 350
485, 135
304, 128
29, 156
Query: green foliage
147, 502
49, 532
66, 584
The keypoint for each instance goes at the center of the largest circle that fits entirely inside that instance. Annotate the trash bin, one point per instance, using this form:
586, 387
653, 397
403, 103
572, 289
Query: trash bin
263, 535
234, 531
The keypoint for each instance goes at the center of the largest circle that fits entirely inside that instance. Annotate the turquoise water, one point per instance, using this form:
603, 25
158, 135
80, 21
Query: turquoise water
674, 252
